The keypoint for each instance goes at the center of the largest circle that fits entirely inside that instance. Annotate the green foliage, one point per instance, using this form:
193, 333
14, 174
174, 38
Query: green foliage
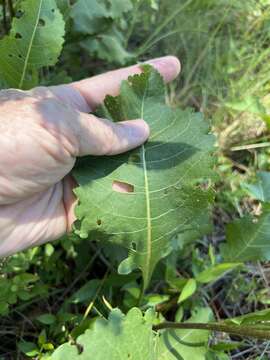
35, 40
260, 190
213, 273
248, 238
103, 19
186, 344
164, 175
121, 337
63, 292
21, 286
188, 290
131, 337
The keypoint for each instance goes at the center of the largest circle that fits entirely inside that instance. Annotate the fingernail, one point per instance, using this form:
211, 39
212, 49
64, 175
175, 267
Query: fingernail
169, 66
156, 61
139, 130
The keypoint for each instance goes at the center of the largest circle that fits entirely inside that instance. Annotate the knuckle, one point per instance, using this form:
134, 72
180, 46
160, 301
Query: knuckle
111, 139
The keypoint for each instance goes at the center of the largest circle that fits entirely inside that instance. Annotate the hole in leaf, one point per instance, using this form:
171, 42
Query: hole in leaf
122, 187
41, 22
19, 14
99, 222
134, 246
53, 10
20, 56
18, 36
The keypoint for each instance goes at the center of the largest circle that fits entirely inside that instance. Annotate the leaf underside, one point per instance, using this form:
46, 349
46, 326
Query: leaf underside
163, 175
35, 40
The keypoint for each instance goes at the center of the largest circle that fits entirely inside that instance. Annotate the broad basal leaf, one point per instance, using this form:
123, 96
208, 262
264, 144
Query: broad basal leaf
186, 344
248, 238
163, 176
119, 338
35, 40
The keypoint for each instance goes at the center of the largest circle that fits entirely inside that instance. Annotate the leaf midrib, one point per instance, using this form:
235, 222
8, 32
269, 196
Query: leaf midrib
148, 204
30, 47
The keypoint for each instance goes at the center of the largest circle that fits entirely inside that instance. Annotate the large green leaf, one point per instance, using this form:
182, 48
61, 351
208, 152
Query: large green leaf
248, 238
35, 40
103, 19
119, 338
88, 16
186, 344
108, 46
163, 175
91, 16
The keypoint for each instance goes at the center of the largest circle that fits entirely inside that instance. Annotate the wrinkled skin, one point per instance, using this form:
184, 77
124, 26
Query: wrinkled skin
42, 131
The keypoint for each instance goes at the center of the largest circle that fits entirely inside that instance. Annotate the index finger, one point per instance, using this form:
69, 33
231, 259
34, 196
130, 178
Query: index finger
96, 88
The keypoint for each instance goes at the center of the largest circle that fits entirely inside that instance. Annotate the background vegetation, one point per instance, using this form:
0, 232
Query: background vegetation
49, 295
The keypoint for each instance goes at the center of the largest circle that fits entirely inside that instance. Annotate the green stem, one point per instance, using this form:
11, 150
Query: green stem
133, 22
239, 330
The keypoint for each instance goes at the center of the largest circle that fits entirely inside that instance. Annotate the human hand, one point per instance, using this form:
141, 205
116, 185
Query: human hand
42, 131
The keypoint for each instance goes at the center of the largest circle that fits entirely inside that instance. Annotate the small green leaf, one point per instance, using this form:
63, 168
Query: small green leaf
262, 316
226, 346
42, 338
3, 308
28, 348
188, 290
215, 272
48, 346
49, 249
86, 292
47, 319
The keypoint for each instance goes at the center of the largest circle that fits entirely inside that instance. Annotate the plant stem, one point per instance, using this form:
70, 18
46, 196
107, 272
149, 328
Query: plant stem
172, 16
133, 22
243, 331
250, 146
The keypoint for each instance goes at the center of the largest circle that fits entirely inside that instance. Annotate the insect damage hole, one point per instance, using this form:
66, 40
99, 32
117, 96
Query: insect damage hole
19, 14
41, 22
99, 222
122, 187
